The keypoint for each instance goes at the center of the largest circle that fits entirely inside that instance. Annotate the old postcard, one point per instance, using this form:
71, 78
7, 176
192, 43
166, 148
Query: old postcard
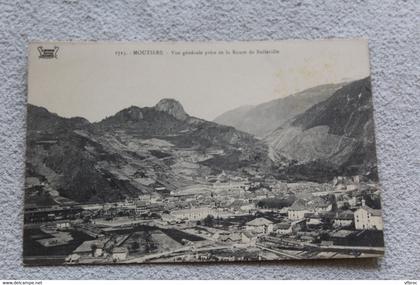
200, 152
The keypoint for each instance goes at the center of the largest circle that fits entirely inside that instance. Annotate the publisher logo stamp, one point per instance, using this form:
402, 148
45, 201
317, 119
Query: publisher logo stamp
47, 53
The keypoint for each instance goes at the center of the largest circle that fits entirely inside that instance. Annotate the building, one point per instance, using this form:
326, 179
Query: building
342, 237
63, 225
142, 207
260, 226
247, 207
155, 198
144, 198
298, 225
196, 214
319, 205
72, 258
352, 201
290, 227
160, 188
338, 180
215, 151
368, 218
356, 179
298, 210
313, 219
230, 185
236, 205
230, 237
297, 214
156, 207
307, 237
248, 238
284, 228
344, 219
167, 218
91, 248
119, 253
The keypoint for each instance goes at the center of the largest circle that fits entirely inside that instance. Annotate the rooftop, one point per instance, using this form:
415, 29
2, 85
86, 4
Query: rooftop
347, 215
87, 245
259, 222
283, 226
373, 212
298, 206
248, 234
119, 249
342, 233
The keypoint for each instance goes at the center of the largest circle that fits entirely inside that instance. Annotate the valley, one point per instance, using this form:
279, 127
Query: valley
154, 184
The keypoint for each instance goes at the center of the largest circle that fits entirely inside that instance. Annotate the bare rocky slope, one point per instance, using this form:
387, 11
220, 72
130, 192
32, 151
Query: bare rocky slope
333, 137
262, 119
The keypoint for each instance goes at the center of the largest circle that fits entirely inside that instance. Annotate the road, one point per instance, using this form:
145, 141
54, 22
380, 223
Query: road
279, 252
187, 249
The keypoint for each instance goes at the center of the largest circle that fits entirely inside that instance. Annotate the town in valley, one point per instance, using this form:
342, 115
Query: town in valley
125, 190
226, 218
201, 155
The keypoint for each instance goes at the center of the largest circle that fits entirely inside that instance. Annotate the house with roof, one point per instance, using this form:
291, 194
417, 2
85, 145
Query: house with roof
342, 237
353, 201
368, 218
230, 237
298, 210
248, 238
319, 205
195, 214
72, 258
63, 225
236, 205
307, 236
313, 219
168, 218
284, 228
260, 226
91, 248
343, 219
119, 253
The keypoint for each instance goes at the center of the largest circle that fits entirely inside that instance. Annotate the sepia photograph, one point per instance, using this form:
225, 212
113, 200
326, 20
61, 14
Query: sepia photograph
200, 152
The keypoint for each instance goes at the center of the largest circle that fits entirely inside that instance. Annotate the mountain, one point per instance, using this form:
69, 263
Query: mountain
65, 161
333, 137
133, 152
262, 119
41, 119
172, 107
139, 150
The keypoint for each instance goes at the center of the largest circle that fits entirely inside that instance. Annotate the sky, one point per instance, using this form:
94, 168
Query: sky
96, 80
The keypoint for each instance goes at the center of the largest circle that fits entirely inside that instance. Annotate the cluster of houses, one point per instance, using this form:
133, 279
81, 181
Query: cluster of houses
304, 222
104, 249
342, 218
333, 214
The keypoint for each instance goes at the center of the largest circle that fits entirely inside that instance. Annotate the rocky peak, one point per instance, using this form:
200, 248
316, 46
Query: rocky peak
132, 113
172, 107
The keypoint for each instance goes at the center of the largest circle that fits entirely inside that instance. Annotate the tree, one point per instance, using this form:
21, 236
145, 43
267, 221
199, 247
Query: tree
93, 247
331, 198
149, 243
135, 245
346, 206
374, 203
275, 203
208, 221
